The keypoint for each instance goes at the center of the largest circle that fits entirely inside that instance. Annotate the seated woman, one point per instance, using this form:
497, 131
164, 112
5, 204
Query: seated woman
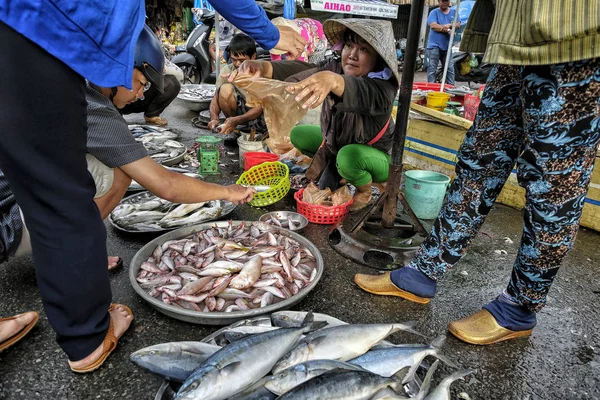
357, 93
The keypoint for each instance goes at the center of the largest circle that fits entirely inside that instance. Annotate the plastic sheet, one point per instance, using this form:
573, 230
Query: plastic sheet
282, 112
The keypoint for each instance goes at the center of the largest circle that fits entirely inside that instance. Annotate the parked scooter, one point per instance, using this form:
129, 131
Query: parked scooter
196, 61
468, 67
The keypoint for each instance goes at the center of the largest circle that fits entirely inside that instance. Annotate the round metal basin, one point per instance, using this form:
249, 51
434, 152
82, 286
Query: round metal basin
218, 318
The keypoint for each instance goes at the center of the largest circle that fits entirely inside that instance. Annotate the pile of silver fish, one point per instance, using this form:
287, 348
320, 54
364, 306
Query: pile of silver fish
161, 150
154, 213
225, 269
149, 132
135, 186
298, 355
196, 93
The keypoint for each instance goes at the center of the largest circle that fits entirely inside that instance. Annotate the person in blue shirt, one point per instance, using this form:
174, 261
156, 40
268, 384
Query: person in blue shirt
48, 49
440, 24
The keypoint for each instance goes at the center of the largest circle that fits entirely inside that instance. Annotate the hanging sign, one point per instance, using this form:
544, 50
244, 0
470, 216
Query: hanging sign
369, 8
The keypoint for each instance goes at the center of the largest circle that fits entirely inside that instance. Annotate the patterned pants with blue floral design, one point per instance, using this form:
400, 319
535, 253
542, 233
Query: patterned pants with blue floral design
546, 119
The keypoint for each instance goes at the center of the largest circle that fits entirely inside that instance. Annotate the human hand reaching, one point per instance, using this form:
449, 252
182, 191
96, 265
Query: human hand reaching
239, 194
212, 125
290, 41
315, 89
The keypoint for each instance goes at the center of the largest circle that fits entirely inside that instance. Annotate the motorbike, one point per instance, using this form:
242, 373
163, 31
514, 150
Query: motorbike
195, 62
401, 49
468, 67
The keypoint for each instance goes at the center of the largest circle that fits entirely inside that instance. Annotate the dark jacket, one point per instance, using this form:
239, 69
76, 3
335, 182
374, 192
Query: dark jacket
357, 116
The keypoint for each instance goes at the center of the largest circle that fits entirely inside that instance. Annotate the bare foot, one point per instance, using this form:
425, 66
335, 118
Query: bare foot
13, 326
121, 320
112, 262
364, 197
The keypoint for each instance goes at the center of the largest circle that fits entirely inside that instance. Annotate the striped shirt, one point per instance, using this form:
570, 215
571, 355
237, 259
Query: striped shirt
108, 137
534, 32
11, 226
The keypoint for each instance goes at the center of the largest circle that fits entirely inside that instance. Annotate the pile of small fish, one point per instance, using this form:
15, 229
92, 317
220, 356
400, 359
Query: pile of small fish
149, 132
286, 222
153, 213
161, 150
227, 269
196, 93
298, 355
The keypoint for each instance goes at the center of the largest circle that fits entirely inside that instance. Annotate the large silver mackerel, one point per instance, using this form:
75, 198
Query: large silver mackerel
175, 360
291, 377
338, 385
341, 343
240, 364
389, 360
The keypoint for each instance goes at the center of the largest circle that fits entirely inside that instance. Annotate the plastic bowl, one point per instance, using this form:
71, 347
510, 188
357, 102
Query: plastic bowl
300, 220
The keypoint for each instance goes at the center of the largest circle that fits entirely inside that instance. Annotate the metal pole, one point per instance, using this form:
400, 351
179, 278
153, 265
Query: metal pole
217, 46
408, 74
449, 52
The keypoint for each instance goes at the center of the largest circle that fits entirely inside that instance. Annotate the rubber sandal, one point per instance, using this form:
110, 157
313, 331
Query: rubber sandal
109, 344
118, 265
21, 334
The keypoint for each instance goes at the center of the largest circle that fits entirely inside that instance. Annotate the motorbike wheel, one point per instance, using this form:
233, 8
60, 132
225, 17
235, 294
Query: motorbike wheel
191, 75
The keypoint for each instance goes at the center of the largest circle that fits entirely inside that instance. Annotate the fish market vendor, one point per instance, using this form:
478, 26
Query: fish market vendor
115, 158
357, 91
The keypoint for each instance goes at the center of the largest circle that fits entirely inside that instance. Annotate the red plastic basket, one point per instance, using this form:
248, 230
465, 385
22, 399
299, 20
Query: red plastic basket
321, 214
258, 157
430, 86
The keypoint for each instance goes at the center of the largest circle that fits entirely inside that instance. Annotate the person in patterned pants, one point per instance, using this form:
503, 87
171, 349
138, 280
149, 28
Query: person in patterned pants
547, 120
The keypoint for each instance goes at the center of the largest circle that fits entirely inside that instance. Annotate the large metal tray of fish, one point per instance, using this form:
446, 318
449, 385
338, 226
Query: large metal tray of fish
235, 246
145, 212
136, 187
197, 97
166, 152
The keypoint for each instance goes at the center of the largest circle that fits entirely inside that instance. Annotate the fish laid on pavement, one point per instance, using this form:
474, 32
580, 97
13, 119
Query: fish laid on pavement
240, 364
341, 384
389, 360
289, 378
442, 391
341, 343
175, 360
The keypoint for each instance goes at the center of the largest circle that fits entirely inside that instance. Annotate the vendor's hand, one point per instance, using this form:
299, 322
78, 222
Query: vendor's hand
315, 89
239, 194
290, 41
228, 126
212, 125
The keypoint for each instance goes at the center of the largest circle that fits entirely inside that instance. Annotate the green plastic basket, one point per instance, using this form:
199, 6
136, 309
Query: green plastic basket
274, 174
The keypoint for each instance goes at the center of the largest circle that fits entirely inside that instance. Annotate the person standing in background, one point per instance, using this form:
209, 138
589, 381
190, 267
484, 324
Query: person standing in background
440, 24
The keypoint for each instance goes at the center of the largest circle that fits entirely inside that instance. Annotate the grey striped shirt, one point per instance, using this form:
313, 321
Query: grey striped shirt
11, 226
108, 137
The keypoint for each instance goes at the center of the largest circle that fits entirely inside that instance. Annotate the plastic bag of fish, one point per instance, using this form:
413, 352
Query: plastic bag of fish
228, 269
156, 214
298, 355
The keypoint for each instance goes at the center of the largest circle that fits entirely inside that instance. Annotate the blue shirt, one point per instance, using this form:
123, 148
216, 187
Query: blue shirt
439, 39
251, 19
95, 38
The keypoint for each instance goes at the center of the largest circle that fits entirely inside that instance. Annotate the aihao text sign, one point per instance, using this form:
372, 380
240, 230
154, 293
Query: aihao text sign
369, 8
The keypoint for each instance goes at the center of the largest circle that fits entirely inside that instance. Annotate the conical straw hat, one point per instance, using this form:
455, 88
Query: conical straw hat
377, 33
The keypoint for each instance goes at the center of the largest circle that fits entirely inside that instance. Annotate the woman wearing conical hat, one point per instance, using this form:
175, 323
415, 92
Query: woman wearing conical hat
357, 92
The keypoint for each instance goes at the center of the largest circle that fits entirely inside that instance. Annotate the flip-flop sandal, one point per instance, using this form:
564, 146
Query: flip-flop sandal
14, 339
118, 265
109, 344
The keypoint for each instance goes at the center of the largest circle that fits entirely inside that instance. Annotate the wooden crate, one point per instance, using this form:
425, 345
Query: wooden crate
434, 146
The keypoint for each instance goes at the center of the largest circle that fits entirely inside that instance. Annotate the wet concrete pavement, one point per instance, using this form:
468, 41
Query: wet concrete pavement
561, 360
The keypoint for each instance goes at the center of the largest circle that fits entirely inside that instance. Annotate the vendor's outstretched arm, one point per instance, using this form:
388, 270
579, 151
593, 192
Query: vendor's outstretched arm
252, 19
179, 188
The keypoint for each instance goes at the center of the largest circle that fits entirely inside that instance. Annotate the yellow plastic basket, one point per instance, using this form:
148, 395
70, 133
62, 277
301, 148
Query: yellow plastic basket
274, 174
